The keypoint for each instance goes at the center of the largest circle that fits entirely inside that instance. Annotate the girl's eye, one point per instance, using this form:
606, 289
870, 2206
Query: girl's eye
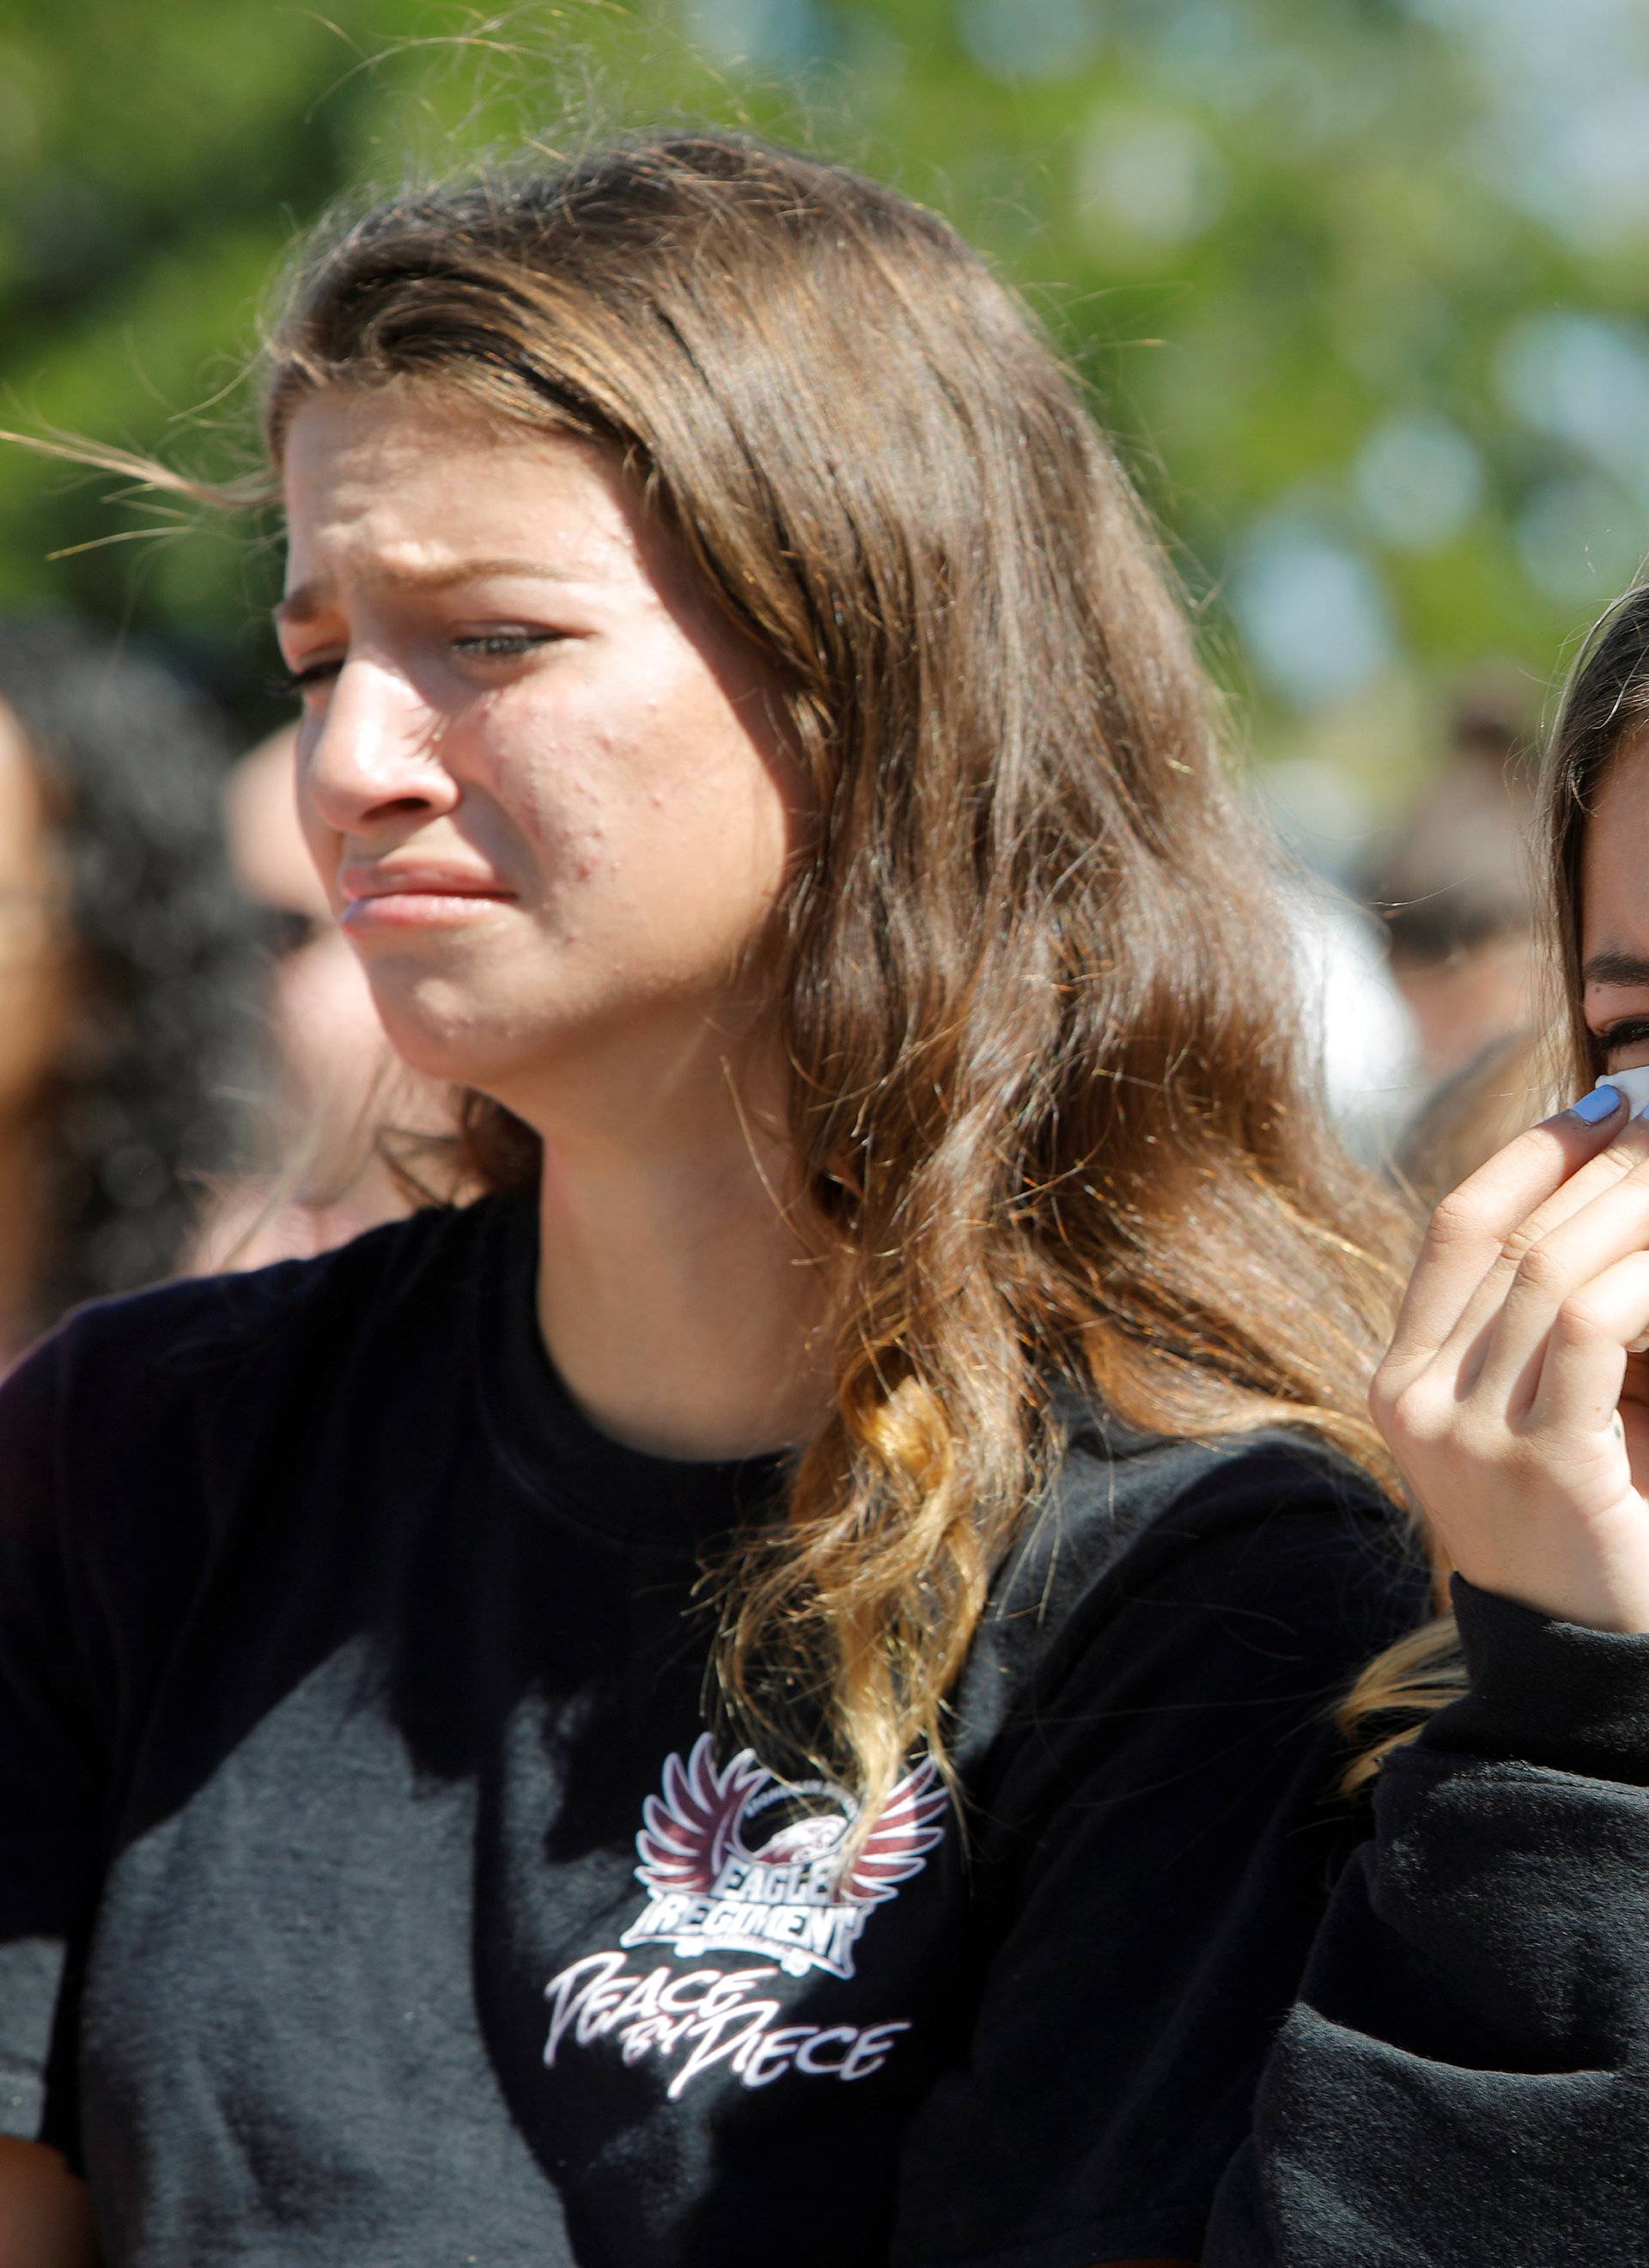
1631, 1032
480, 645
500, 645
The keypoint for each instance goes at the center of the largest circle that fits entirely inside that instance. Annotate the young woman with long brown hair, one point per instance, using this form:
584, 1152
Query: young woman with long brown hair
766, 1689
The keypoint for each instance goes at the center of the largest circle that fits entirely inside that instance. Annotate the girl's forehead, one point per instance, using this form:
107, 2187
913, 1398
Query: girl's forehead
1620, 803
392, 440
419, 489
1614, 858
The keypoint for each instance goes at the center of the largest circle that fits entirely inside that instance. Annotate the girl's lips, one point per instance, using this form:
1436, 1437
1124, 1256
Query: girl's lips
414, 899
418, 910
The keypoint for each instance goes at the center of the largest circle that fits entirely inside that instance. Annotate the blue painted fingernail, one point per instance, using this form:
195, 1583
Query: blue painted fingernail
1602, 1103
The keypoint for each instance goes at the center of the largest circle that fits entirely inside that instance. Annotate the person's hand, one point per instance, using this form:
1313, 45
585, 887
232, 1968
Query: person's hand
1510, 1396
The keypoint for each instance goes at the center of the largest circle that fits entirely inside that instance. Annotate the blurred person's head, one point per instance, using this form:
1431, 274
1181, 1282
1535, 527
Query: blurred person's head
329, 1046
1455, 887
1475, 1111
338, 1086
126, 968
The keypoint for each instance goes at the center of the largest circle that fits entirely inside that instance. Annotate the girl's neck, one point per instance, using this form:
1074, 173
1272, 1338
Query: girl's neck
681, 1296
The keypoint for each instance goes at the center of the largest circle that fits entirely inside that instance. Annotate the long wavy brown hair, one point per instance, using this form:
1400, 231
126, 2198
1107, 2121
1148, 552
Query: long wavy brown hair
1033, 978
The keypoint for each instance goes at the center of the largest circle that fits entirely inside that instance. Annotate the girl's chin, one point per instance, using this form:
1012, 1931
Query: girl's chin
470, 1036
447, 1060
463, 1049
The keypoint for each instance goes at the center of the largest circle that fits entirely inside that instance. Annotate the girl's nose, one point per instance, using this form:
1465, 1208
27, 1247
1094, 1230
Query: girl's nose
373, 753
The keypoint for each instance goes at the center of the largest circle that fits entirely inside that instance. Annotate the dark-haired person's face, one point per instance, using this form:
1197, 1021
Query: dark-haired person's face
33, 962
538, 774
1614, 897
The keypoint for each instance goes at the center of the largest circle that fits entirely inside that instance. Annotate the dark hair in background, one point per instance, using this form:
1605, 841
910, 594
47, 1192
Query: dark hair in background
150, 1089
1475, 1111
1604, 705
1457, 873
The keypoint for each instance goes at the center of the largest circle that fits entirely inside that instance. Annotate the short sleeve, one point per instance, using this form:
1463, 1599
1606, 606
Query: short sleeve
50, 1773
1154, 1855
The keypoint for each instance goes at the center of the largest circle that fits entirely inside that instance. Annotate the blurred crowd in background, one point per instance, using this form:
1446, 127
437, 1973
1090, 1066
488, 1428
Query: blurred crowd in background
191, 1072
1357, 284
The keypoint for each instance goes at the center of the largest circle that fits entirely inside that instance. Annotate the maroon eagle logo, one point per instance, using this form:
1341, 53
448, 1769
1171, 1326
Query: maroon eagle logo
734, 1859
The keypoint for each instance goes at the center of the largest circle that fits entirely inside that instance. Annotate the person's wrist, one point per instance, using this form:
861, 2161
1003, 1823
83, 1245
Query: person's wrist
1602, 1593
1547, 1692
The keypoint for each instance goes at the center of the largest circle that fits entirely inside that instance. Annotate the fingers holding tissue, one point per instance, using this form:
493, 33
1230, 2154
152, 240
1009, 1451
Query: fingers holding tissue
1510, 1396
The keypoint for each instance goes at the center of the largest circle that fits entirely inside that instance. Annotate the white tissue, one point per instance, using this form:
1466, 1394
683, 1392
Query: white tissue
1634, 1085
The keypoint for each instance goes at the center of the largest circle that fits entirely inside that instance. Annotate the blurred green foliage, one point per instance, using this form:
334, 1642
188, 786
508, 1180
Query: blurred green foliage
1358, 283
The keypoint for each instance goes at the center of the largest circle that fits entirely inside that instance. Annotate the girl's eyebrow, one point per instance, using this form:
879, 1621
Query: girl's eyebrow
307, 600
1616, 969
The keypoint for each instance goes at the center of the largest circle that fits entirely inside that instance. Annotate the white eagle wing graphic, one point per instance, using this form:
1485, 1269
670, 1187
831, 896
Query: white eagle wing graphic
905, 1832
688, 1834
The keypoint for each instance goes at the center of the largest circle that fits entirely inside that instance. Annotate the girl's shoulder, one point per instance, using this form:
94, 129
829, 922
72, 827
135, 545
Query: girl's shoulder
189, 1334
1236, 1566
1120, 1495
150, 1433
125, 1413
1123, 1491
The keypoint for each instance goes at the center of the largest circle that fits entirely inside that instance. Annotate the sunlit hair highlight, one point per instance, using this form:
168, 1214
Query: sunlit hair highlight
1031, 973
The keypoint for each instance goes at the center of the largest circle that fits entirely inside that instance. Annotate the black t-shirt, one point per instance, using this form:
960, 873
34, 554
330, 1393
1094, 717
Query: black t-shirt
371, 1889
